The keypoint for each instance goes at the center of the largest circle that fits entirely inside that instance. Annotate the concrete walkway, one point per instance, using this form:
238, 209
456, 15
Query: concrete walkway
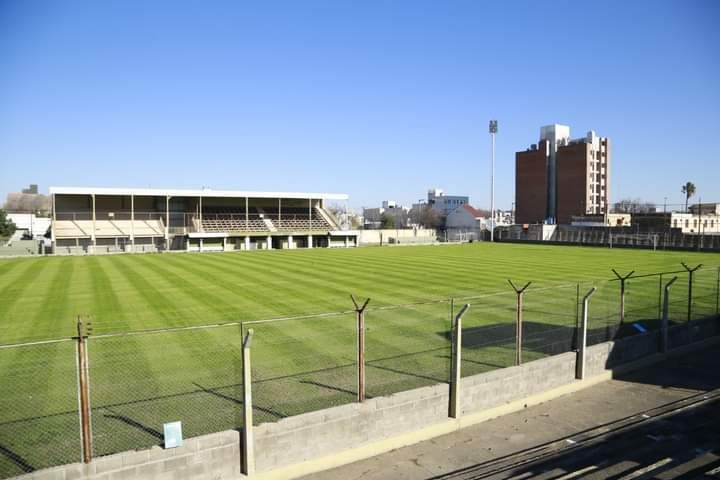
536, 442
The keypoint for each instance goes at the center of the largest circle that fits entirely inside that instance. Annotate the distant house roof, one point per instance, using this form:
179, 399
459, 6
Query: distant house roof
473, 211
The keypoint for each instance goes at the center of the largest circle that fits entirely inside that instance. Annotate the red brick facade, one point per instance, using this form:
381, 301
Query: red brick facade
531, 186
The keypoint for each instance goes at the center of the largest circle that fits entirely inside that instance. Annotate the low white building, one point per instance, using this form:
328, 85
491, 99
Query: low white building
705, 223
466, 217
445, 204
30, 223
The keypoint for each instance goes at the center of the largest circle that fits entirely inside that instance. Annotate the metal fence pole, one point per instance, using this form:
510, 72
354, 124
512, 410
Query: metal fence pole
577, 316
690, 283
84, 390
519, 320
360, 315
580, 361
622, 292
660, 296
454, 407
248, 444
665, 317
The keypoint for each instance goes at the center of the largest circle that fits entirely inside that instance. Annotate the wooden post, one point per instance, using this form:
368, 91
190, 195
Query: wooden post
622, 293
519, 320
665, 317
360, 315
580, 362
690, 283
455, 376
84, 392
248, 451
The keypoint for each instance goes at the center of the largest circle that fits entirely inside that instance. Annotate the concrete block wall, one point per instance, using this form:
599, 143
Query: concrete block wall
686, 333
311, 435
497, 387
214, 456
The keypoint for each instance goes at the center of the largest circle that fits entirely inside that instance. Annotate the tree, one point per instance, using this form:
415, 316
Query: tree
430, 217
387, 220
688, 190
27, 203
7, 227
633, 205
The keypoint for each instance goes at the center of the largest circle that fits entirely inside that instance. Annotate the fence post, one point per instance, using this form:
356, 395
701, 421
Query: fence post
660, 296
519, 319
665, 317
580, 361
717, 293
248, 446
577, 316
690, 282
84, 389
360, 315
454, 408
622, 293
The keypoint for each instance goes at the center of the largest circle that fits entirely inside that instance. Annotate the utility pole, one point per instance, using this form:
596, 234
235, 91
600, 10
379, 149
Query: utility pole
493, 131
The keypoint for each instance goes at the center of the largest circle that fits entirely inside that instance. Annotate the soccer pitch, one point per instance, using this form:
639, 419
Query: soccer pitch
140, 381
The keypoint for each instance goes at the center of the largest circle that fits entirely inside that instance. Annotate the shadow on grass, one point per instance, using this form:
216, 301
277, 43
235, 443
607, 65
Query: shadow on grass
17, 459
134, 423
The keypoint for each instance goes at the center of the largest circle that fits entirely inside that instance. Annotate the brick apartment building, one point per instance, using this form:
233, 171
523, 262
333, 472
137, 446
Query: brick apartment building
560, 177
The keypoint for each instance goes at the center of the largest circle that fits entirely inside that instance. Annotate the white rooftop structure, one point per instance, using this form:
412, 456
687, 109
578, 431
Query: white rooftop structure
203, 192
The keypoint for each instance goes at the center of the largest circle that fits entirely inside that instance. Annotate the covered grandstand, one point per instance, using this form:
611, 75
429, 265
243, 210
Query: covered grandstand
108, 220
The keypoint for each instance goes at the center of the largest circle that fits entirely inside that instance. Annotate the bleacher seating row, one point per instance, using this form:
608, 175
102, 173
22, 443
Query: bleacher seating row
264, 225
234, 225
108, 228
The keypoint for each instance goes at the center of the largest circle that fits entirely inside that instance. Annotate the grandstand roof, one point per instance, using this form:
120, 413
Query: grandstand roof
205, 192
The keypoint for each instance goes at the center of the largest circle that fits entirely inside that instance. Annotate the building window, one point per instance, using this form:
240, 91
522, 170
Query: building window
675, 223
687, 223
694, 223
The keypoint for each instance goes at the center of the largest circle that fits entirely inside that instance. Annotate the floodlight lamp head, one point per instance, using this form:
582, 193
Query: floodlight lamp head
493, 126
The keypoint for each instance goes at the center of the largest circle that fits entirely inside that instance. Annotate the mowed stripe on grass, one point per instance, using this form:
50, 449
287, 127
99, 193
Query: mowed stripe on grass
140, 382
155, 291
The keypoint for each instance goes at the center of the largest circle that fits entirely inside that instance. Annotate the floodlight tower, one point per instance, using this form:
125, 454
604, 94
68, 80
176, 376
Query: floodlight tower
493, 131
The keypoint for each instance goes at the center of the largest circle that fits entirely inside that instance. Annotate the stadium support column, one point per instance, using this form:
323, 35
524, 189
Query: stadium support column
167, 222
54, 217
132, 222
309, 241
290, 242
269, 243
200, 213
94, 239
247, 243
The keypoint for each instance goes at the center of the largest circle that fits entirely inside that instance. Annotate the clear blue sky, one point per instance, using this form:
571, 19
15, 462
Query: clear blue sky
380, 100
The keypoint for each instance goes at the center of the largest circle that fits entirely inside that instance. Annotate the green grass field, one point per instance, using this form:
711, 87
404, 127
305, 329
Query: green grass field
140, 381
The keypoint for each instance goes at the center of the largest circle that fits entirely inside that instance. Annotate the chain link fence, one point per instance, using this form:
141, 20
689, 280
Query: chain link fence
407, 347
39, 420
139, 381
303, 364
